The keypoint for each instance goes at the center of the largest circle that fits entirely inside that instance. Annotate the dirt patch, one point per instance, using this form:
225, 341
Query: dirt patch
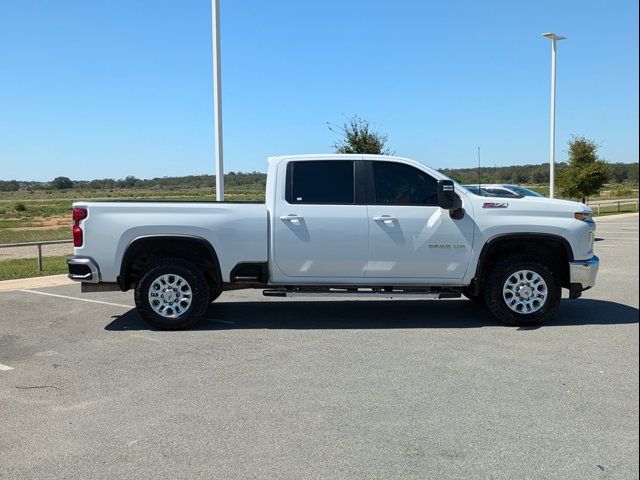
47, 223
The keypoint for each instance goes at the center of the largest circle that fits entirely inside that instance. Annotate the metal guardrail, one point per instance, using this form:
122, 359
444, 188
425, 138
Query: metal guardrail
36, 244
618, 203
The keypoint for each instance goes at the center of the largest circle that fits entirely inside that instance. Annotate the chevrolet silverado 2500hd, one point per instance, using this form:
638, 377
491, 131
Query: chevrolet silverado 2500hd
339, 225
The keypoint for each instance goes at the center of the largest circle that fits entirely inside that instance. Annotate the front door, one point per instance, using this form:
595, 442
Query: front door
409, 235
319, 228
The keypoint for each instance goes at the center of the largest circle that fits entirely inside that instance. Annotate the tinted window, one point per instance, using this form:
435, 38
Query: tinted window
399, 184
328, 181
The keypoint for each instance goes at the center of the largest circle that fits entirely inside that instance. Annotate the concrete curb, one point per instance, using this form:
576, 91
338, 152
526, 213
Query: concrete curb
34, 282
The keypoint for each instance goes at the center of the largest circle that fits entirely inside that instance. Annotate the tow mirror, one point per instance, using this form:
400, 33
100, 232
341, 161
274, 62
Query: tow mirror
447, 196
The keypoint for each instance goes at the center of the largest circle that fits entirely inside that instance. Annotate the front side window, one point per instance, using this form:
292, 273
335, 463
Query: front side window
399, 184
326, 181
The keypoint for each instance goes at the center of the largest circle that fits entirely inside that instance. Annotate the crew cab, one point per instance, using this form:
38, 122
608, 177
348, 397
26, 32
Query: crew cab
339, 225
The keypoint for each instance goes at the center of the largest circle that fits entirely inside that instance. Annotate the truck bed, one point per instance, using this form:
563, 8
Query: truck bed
236, 230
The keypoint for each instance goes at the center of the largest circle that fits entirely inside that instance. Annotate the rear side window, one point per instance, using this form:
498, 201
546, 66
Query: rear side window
399, 184
326, 181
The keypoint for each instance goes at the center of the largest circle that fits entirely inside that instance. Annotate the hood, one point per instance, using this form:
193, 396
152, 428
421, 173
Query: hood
538, 206
554, 203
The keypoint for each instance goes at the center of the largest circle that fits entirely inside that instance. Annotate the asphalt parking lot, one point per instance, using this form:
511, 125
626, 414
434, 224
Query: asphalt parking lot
273, 388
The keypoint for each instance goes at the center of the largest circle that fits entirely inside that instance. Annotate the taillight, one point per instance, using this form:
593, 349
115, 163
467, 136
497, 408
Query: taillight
77, 236
78, 214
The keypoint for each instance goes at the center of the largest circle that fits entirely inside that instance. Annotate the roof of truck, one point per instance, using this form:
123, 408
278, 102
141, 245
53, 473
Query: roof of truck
338, 156
353, 156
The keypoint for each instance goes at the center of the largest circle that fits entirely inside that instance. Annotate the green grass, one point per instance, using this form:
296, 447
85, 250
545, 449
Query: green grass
18, 236
34, 208
19, 222
48, 203
609, 192
28, 267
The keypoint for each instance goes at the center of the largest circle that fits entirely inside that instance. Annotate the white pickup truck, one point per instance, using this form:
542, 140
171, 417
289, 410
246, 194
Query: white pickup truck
340, 225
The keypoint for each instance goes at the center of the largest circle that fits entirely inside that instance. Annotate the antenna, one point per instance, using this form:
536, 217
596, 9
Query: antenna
479, 188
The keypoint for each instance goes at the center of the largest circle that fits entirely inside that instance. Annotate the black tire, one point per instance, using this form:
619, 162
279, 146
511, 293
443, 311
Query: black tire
214, 294
502, 271
199, 293
479, 298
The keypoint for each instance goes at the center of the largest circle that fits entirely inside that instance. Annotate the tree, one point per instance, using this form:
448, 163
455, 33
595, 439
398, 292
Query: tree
587, 172
360, 137
128, 182
61, 183
618, 173
632, 173
9, 186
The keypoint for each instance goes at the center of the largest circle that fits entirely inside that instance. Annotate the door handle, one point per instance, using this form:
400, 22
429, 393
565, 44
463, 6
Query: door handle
291, 218
388, 219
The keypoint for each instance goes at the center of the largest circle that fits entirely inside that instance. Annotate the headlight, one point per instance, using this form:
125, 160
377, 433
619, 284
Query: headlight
584, 216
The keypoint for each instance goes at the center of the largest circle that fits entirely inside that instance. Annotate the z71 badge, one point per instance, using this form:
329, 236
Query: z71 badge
495, 205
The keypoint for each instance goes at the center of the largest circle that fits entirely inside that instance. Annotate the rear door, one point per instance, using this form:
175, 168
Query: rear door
410, 235
320, 224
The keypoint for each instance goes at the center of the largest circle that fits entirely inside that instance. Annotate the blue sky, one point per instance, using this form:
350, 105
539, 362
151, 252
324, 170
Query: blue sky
108, 89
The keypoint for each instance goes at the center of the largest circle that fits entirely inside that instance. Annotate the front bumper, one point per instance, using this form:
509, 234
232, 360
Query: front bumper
83, 269
582, 275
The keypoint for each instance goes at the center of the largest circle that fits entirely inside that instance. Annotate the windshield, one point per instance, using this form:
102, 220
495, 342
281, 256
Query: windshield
492, 191
473, 189
523, 191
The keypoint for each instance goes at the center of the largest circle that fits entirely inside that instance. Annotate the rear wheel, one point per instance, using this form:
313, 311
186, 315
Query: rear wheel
172, 294
522, 290
214, 293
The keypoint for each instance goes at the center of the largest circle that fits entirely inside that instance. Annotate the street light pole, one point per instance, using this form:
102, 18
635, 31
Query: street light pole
552, 147
217, 98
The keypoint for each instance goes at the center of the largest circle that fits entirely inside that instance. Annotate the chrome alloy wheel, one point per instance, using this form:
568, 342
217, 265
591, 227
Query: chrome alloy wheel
525, 291
170, 295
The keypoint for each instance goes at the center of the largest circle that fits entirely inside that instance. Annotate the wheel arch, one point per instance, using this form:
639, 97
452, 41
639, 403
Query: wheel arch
143, 249
554, 250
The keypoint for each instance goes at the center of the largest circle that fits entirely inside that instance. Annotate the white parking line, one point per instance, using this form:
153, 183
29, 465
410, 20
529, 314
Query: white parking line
5, 368
76, 298
228, 322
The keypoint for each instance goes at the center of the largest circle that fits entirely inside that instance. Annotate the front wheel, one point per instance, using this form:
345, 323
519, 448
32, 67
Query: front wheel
172, 294
522, 290
214, 293
468, 293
